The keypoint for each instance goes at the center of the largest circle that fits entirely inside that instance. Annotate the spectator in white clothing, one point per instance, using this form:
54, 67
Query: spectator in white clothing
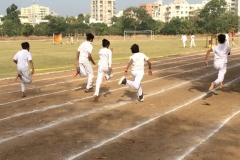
137, 63
192, 42
184, 40
22, 58
221, 52
227, 38
104, 66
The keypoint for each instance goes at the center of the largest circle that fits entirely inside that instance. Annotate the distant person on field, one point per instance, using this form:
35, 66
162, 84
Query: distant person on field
84, 60
192, 42
72, 39
184, 40
137, 62
221, 52
104, 66
227, 38
22, 58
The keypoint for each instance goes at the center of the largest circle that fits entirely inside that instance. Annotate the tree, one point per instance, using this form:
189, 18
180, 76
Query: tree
56, 25
11, 22
80, 18
27, 30
99, 28
212, 16
133, 18
87, 18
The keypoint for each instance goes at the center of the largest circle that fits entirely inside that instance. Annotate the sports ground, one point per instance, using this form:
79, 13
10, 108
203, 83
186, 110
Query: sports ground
179, 118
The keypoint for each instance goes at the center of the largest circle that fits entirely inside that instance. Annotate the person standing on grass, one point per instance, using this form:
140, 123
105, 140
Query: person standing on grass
221, 52
192, 42
184, 40
137, 62
104, 66
22, 58
84, 60
227, 38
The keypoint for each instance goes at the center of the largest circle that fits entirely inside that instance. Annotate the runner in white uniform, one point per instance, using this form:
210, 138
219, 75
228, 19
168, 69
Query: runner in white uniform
137, 63
22, 58
83, 58
104, 66
221, 52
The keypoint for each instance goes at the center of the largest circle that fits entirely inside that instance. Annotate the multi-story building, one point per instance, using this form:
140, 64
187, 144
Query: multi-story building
103, 10
34, 14
179, 8
149, 7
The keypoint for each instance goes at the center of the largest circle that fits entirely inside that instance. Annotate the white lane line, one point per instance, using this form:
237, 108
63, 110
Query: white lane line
209, 136
97, 71
86, 78
108, 107
76, 100
140, 125
68, 119
164, 59
37, 96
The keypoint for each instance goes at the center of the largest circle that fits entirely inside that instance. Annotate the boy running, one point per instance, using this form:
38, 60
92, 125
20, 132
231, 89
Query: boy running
221, 52
22, 58
83, 59
137, 62
184, 40
104, 66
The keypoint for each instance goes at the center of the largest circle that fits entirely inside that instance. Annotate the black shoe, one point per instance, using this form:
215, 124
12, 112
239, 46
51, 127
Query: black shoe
122, 81
141, 98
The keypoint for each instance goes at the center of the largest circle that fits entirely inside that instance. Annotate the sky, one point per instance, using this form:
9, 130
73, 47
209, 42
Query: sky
74, 7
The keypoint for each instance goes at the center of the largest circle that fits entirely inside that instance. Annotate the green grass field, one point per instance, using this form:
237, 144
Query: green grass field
48, 57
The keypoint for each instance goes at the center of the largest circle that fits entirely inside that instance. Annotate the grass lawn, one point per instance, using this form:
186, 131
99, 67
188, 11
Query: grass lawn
48, 57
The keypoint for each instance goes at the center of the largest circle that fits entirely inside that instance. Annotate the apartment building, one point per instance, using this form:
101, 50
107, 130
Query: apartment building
103, 10
179, 8
34, 14
149, 8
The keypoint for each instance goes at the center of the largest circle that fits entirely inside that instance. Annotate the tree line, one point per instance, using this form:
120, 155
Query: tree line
212, 19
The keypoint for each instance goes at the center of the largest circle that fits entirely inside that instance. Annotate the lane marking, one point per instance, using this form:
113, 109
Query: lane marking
68, 119
95, 71
42, 95
84, 78
140, 125
209, 136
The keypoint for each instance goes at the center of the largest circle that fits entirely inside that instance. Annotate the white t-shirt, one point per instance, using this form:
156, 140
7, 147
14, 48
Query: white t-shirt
184, 38
105, 57
85, 48
192, 37
22, 58
138, 61
227, 37
221, 52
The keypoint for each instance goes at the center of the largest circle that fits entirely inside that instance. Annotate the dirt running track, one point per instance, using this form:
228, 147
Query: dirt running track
178, 119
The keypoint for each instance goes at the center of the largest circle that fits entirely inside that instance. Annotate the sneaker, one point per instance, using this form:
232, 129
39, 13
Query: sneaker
122, 80
88, 90
95, 99
141, 98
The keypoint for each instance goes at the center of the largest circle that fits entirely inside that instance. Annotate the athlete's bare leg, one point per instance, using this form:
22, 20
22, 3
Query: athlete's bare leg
221, 85
212, 86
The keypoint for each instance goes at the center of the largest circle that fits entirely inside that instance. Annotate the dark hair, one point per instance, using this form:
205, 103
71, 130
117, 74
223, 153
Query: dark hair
221, 38
25, 45
135, 48
89, 36
105, 42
